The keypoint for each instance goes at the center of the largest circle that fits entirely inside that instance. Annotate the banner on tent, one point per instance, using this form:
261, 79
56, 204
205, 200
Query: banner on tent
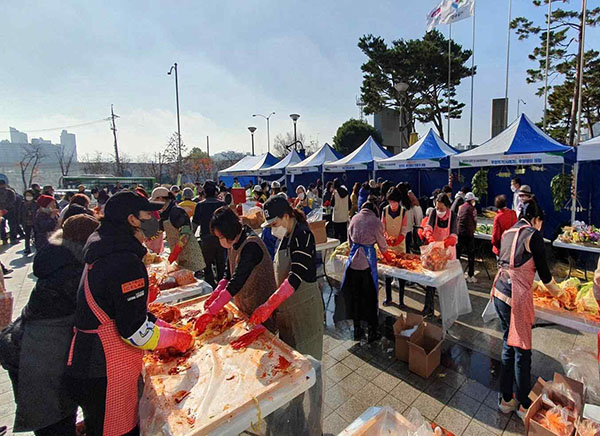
342, 168
509, 159
409, 164
302, 170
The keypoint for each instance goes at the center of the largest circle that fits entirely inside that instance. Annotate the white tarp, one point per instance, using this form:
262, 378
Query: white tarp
589, 150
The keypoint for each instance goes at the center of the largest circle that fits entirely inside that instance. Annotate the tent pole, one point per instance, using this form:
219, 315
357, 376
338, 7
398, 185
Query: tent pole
472, 81
449, 73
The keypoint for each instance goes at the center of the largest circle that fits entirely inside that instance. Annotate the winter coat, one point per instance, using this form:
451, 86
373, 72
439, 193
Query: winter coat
363, 196
43, 225
28, 213
366, 229
8, 199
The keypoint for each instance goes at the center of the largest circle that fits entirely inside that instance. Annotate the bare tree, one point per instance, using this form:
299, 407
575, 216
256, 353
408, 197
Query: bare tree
65, 158
32, 156
283, 144
226, 159
171, 156
152, 166
96, 164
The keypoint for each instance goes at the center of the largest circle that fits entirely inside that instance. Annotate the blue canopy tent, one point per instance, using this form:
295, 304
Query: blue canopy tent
588, 192
424, 164
246, 169
521, 144
277, 171
358, 166
311, 168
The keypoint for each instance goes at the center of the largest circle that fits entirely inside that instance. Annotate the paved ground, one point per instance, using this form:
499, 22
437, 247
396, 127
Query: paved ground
461, 395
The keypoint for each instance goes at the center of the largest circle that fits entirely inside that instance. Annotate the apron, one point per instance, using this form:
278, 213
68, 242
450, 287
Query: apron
191, 257
522, 312
439, 234
123, 368
393, 227
299, 319
371, 258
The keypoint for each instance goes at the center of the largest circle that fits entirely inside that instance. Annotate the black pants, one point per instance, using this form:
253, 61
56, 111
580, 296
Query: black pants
340, 231
516, 362
64, 427
388, 289
13, 223
358, 299
28, 233
90, 395
429, 298
466, 245
213, 254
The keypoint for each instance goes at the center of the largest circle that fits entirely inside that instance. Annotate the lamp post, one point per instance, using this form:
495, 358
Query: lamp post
402, 87
294, 118
519, 101
268, 134
174, 67
252, 130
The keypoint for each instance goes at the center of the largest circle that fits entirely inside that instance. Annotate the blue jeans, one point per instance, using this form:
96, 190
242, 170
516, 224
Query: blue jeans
516, 363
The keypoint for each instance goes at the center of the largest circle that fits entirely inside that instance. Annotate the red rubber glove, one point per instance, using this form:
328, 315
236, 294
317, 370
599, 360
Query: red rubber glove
430, 240
153, 291
175, 253
248, 338
203, 322
213, 296
398, 241
450, 241
259, 204
388, 257
179, 339
264, 311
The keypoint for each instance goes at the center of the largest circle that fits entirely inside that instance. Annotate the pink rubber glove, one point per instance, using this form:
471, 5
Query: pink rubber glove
220, 286
163, 324
222, 299
264, 311
203, 322
179, 339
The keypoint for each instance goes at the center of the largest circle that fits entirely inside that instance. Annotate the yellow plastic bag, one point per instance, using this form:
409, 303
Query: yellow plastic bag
585, 300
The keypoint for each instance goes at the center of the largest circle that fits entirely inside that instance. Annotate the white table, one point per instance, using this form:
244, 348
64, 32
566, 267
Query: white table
450, 283
330, 244
184, 292
324, 248
567, 319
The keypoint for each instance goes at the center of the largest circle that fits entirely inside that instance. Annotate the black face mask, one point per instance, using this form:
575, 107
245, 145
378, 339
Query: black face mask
149, 227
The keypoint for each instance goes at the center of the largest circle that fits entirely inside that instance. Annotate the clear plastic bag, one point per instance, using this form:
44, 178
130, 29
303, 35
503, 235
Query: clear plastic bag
569, 400
556, 420
435, 256
582, 365
315, 215
423, 428
587, 427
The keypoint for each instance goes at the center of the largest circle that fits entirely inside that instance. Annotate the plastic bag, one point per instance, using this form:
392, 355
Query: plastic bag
6, 309
315, 215
183, 277
586, 301
434, 256
582, 365
587, 427
489, 313
421, 424
556, 420
570, 400
253, 217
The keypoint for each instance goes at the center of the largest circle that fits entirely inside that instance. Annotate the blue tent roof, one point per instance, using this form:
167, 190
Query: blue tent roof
360, 159
249, 165
521, 143
315, 161
292, 158
427, 152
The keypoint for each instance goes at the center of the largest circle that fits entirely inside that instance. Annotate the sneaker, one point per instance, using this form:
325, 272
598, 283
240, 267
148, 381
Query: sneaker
507, 407
472, 279
522, 412
387, 303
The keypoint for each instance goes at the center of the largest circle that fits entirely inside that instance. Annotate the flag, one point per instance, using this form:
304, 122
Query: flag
457, 10
435, 16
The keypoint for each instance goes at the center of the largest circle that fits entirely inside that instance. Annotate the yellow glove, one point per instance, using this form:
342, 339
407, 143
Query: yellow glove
554, 289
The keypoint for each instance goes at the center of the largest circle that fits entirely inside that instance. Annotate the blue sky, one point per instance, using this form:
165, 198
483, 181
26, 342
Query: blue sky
66, 62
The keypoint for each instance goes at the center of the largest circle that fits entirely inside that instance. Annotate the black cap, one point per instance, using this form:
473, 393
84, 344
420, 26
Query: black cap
275, 207
210, 187
125, 203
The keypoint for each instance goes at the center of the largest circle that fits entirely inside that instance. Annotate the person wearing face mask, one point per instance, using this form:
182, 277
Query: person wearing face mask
249, 277
467, 223
522, 254
301, 202
154, 239
45, 221
29, 210
441, 227
394, 220
175, 222
112, 324
515, 185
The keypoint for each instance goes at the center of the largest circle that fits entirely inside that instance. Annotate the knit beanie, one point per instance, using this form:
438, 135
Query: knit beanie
78, 228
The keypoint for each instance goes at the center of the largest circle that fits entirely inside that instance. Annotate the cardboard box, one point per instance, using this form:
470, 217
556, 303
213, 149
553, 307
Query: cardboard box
318, 228
575, 386
533, 428
404, 329
425, 349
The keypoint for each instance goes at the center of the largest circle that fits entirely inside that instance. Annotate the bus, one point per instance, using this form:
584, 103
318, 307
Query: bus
101, 180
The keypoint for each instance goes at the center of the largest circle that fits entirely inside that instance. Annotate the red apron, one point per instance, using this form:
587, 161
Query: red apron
439, 234
522, 312
123, 368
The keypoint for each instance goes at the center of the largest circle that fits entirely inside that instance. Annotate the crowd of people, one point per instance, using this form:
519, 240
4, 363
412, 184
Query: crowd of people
90, 302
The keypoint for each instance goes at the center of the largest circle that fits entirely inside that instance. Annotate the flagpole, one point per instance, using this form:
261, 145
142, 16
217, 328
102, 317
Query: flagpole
472, 78
449, 73
507, 65
547, 65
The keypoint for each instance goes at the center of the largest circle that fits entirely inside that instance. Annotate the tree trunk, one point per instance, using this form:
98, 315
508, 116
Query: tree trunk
574, 106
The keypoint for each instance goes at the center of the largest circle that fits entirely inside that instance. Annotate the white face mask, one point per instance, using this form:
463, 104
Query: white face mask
302, 196
28, 198
279, 232
440, 214
513, 188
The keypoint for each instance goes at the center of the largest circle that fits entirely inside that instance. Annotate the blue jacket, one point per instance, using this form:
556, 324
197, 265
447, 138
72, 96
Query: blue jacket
363, 195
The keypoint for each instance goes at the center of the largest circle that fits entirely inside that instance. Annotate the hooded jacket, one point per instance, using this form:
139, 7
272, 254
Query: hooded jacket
118, 282
43, 225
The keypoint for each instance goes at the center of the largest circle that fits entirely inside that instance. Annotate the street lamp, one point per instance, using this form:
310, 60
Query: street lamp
252, 130
268, 134
519, 101
402, 87
174, 67
294, 118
